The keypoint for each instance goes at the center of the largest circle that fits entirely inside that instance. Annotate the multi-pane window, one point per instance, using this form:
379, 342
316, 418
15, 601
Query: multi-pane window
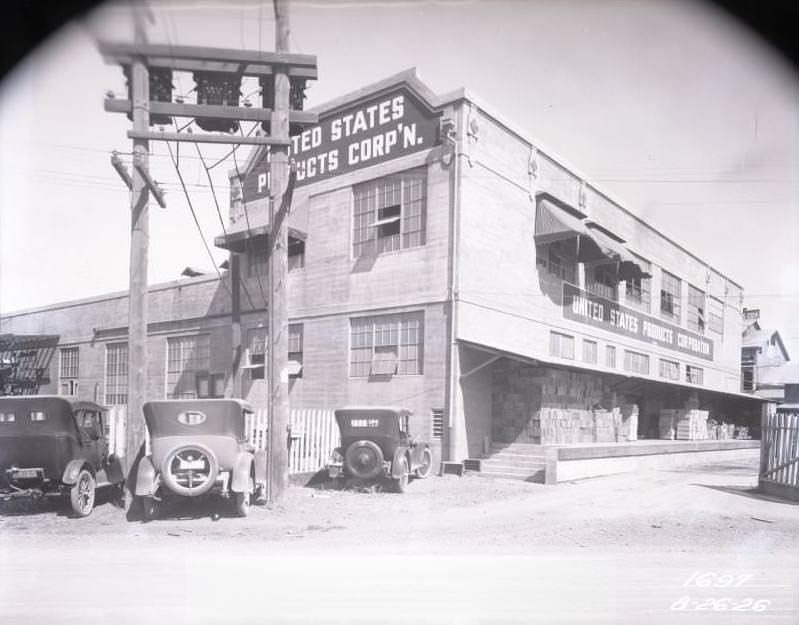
589, 351
610, 356
296, 254
387, 345
256, 347
694, 375
715, 317
389, 213
68, 371
561, 345
603, 280
638, 290
187, 356
116, 374
257, 261
295, 347
558, 258
670, 296
669, 369
438, 423
636, 362
696, 310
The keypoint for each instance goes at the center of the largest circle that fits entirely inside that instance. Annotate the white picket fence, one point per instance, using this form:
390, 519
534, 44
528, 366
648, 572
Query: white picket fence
314, 435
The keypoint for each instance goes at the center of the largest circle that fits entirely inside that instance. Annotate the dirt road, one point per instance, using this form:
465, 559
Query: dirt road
610, 550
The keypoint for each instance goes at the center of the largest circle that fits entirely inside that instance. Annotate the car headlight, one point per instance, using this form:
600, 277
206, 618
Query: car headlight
336, 457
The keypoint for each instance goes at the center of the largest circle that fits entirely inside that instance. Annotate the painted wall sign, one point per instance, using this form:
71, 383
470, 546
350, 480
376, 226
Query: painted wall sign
580, 305
368, 133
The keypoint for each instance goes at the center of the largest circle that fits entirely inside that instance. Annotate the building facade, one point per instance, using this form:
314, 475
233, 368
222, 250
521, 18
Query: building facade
441, 260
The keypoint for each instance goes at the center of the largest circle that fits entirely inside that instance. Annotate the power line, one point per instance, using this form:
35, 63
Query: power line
196, 221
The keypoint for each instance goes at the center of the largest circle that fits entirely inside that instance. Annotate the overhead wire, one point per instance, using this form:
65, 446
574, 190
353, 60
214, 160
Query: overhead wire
196, 221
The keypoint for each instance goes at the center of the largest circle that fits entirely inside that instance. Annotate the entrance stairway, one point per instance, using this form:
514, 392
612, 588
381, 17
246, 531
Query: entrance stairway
519, 461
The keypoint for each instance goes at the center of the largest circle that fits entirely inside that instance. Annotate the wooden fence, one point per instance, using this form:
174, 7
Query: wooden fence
314, 435
779, 455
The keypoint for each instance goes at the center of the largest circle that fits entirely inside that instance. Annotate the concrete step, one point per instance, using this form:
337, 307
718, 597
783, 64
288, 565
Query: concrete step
517, 447
519, 455
489, 463
538, 476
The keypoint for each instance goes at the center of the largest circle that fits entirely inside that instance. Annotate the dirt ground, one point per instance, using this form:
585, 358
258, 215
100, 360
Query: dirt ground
497, 543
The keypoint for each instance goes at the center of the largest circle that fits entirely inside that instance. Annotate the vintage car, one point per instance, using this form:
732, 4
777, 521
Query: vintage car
376, 443
53, 445
199, 446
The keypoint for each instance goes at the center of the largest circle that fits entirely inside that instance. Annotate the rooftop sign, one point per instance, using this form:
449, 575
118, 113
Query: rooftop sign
371, 132
588, 308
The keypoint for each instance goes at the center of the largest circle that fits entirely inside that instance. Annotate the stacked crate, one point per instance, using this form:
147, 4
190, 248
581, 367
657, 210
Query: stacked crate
683, 424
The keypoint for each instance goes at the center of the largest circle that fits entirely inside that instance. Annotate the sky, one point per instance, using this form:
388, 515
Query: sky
682, 115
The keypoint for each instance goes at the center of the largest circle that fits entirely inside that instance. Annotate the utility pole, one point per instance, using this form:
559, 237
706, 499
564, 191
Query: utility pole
277, 327
139, 243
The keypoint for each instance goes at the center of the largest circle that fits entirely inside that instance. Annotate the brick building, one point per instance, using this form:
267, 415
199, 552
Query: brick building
442, 260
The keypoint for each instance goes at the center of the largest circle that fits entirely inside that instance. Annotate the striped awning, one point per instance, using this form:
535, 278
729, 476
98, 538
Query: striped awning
554, 222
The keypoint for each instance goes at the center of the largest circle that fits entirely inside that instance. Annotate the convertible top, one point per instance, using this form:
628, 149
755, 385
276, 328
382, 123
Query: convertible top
219, 416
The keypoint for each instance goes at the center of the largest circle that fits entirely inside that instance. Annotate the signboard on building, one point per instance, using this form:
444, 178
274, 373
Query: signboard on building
588, 308
368, 133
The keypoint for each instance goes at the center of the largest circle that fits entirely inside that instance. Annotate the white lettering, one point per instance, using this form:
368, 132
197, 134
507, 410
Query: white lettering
261, 182
397, 107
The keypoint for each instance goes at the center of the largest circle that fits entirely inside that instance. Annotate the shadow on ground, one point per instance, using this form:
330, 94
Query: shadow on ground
56, 504
751, 493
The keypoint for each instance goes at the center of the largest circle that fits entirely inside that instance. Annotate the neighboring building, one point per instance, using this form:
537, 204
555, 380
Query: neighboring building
762, 353
442, 260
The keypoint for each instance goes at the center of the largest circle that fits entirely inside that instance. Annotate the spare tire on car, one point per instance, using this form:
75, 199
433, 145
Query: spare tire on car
364, 460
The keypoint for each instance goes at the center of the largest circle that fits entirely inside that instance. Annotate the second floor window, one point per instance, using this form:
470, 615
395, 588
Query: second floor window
696, 310
589, 351
559, 258
636, 362
561, 345
670, 287
715, 320
602, 280
389, 213
296, 255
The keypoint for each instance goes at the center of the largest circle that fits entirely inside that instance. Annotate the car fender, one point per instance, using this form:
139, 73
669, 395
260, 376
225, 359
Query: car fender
241, 472
416, 455
74, 467
146, 478
395, 463
260, 467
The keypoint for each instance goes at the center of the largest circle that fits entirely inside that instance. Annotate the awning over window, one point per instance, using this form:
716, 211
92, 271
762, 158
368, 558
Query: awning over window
555, 222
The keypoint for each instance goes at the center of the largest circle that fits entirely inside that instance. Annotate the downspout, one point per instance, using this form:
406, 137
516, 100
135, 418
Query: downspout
452, 281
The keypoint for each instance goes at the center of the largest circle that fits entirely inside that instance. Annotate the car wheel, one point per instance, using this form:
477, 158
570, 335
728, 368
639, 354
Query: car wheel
427, 463
81, 495
364, 460
190, 470
242, 502
401, 483
150, 508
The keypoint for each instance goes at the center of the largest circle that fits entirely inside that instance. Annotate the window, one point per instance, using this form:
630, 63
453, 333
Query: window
561, 345
696, 310
186, 357
438, 423
669, 370
256, 345
296, 255
7, 417
38, 415
715, 320
694, 375
116, 374
610, 356
386, 345
636, 362
68, 371
389, 214
559, 258
257, 260
603, 280
589, 351
295, 348
670, 296
638, 290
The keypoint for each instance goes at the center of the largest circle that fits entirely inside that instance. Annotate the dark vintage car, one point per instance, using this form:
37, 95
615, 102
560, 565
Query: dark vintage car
199, 446
51, 445
376, 443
